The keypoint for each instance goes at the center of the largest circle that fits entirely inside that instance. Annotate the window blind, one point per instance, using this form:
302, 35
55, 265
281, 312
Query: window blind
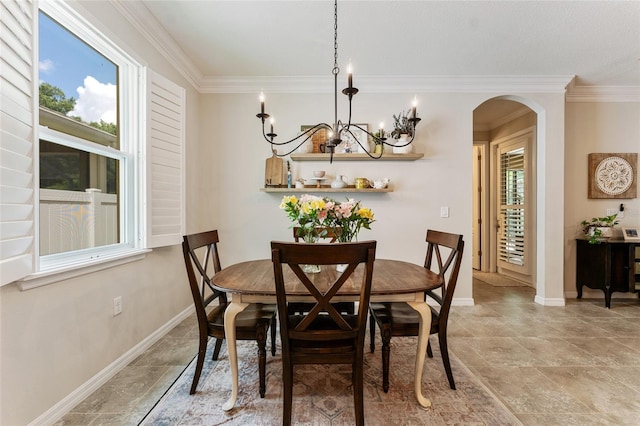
17, 123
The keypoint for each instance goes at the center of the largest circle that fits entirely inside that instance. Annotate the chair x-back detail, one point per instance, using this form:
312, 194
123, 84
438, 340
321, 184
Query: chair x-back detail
202, 262
400, 319
329, 234
322, 335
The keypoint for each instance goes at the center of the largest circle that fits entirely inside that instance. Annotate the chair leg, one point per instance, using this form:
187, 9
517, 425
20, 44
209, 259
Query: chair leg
385, 332
287, 397
429, 351
216, 350
273, 336
202, 350
445, 359
372, 333
358, 391
261, 338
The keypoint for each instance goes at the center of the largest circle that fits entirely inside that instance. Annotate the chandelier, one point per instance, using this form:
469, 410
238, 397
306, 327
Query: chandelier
338, 128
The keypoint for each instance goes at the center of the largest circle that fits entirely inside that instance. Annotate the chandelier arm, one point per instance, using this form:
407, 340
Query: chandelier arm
308, 133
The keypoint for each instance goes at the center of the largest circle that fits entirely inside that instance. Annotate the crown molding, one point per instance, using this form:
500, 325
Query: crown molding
390, 84
142, 20
603, 93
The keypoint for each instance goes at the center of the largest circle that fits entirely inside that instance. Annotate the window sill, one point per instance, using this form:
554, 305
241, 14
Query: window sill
72, 270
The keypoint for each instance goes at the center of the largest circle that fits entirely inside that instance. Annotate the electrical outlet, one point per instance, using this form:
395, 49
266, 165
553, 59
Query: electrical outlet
117, 305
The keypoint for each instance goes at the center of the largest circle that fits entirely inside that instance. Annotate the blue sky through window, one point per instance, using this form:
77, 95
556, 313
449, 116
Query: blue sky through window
80, 71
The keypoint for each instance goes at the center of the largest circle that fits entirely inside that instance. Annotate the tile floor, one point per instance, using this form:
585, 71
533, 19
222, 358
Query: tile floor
572, 365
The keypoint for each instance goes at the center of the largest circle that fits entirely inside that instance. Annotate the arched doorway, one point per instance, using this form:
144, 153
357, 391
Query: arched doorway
504, 203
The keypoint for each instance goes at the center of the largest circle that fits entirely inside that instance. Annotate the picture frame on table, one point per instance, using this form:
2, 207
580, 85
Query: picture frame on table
631, 234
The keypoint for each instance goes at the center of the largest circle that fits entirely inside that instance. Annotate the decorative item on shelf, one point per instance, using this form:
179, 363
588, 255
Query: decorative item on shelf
361, 183
380, 183
314, 215
289, 177
403, 130
299, 183
339, 182
306, 146
599, 228
378, 147
274, 170
338, 130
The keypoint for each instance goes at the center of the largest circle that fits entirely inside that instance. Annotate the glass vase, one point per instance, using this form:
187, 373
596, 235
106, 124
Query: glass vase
310, 238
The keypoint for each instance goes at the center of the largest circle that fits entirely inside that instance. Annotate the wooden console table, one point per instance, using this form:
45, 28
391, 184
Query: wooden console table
611, 265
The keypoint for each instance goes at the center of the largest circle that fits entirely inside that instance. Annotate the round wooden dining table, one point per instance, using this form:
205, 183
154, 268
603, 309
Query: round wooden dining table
393, 281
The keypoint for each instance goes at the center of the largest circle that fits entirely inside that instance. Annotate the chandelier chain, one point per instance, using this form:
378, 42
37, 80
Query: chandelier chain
335, 35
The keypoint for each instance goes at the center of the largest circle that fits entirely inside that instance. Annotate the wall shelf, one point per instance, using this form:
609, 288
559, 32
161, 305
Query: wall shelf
356, 157
323, 188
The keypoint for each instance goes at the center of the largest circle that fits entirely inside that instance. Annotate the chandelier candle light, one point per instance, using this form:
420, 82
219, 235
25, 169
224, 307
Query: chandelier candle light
338, 128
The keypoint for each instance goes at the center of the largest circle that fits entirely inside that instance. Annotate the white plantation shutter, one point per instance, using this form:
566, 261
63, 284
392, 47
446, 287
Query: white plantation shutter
513, 246
165, 161
17, 126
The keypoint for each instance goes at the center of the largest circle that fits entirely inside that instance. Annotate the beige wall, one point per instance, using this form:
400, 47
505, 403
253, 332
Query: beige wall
605, 127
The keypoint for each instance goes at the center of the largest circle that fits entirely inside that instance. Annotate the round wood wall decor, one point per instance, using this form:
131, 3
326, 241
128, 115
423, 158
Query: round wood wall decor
612, 175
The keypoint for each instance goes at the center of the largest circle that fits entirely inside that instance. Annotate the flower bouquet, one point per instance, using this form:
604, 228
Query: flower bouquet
314, 216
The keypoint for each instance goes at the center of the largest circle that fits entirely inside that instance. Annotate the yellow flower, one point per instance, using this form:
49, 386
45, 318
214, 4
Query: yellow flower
288, 199
365, 213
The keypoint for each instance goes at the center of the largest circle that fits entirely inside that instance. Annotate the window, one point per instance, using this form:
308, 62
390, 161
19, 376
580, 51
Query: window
83, 163
83, 184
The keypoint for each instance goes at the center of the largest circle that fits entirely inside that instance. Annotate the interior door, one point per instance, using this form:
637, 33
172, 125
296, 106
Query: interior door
513, 209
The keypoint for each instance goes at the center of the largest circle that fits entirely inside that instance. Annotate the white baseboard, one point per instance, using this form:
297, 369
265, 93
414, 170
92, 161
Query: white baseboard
56, 412
462, 301
549, 301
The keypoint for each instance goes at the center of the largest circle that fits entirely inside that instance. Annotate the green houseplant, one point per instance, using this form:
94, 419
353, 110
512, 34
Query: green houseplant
599, 228
402, 125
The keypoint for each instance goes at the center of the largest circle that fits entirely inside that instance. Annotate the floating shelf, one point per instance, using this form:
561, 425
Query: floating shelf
356, 157
323, 188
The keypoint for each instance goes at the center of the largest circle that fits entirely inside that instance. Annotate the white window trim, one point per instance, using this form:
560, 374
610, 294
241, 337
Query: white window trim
134, 98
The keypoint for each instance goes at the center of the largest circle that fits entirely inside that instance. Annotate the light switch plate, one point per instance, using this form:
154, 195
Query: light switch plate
444, 211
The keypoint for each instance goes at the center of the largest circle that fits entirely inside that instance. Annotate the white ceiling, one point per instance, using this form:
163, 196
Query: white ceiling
401, 44
597, 41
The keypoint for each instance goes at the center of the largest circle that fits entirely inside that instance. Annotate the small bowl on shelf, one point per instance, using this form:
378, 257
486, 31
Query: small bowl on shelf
318, 173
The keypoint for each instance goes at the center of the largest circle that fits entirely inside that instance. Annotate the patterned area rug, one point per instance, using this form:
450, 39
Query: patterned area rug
497, 280
322, 394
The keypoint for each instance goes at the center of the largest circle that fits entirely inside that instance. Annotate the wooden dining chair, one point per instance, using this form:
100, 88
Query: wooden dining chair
200, 256
400, 319
327, 234
322, 335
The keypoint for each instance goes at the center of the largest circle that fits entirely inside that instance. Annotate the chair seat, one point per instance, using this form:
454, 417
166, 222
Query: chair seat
404, 318
246, 322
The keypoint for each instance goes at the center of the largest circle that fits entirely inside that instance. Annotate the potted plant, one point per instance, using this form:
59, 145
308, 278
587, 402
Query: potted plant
402, 125
599, 228
402, 131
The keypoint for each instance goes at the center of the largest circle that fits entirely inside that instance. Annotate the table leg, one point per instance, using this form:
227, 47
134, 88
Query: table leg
230, 336
423, 337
